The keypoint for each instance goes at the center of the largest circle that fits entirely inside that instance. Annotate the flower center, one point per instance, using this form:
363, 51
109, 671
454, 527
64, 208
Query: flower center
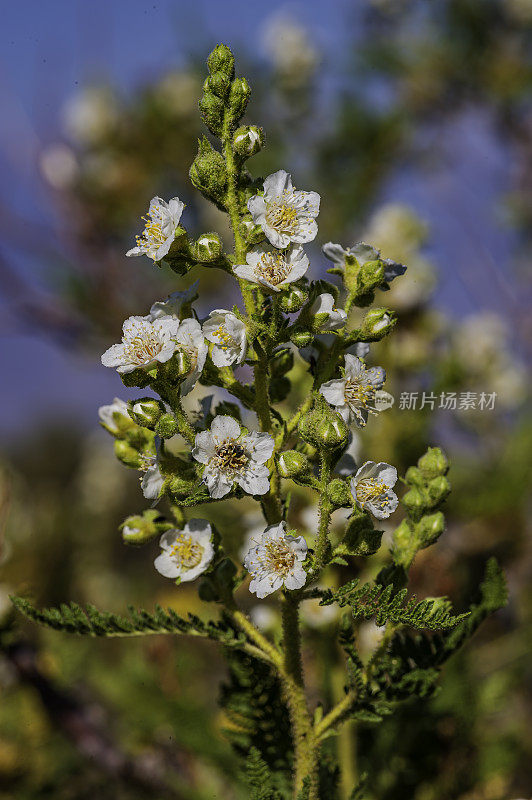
226, 340
152, 235
273, 268
281, 216
279, 557
230, 456
142, 344
187, 552
371, 490
359, 394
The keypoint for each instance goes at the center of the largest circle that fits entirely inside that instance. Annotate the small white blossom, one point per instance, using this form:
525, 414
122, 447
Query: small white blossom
144, 343
271, 268
172, 306
336, 317
285, 214
152, 481
111, 415
363, 252
359, 393
190, 339
228, 335
232, 456
372, 486
276, 559
186, 553
162, 222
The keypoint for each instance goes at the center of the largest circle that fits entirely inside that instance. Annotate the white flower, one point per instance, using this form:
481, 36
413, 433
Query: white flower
172, 306
186, 553
144, 343
152, 482
110, 416
372, 486
162, 222
275, 560
363, 252
285, 214
273, 269
228, 335
336, 317
358, 393
190, 339
230, 457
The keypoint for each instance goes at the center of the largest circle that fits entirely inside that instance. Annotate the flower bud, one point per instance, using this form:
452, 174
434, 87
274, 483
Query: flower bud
431, 527
238, 98
377, 323
293, 299
248, 140
146, 411
207, 248
252, 233
302, 338
414, 477
179, 487
127, 454
339, 493
141, 528
218, 83
167, 426
221, 60
332, 433
282, 362
208, 173
414, 501
291, 463
212, 110
179, 366
361, 539
137, 377
438, 488
433, 463
370, 275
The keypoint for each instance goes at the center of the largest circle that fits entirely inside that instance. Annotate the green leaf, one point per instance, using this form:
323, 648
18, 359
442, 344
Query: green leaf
374, 600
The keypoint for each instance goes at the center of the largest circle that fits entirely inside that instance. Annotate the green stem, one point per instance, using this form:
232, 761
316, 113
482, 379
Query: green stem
325, 511
336, 715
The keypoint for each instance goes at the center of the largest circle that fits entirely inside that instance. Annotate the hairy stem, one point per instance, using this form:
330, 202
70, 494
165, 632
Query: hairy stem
325, 511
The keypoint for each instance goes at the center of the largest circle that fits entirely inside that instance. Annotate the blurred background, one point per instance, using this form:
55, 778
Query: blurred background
413, 120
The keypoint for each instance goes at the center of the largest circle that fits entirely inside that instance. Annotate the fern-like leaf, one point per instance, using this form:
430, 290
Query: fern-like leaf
374, 600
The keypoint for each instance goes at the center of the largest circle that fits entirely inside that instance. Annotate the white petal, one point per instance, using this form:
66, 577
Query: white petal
224, 427
257, 208
367, 470
306, 233
175, 207
335, 253
152, 483
354, 367
217, 484
386, 473
334, 392
295, 579
135, 251
114, 356
364, 252
255, 480
376, 376
277, 183
204, 447
166, 566
260, 446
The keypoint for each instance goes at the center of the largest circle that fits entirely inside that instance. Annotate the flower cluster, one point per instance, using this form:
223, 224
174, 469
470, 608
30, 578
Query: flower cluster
171, 349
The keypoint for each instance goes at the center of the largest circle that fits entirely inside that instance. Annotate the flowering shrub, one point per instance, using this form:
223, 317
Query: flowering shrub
284, 315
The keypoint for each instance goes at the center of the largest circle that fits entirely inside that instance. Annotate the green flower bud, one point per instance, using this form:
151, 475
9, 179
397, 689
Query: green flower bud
332, 433
141, 528
370, 275
252, 233
360, 537
404, 538
414, 500
339, 493
137, 377
212, 111
146, 411
179, 366
248, 140
208, 173
218, 83
279, 388
414, 477
431, 527
282, 362
302, 338
167, 426
433, 463
293, 299
127, 454
377, 323
291, 463
238, 98
438, 488
179, 487
221, 60
207, 248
